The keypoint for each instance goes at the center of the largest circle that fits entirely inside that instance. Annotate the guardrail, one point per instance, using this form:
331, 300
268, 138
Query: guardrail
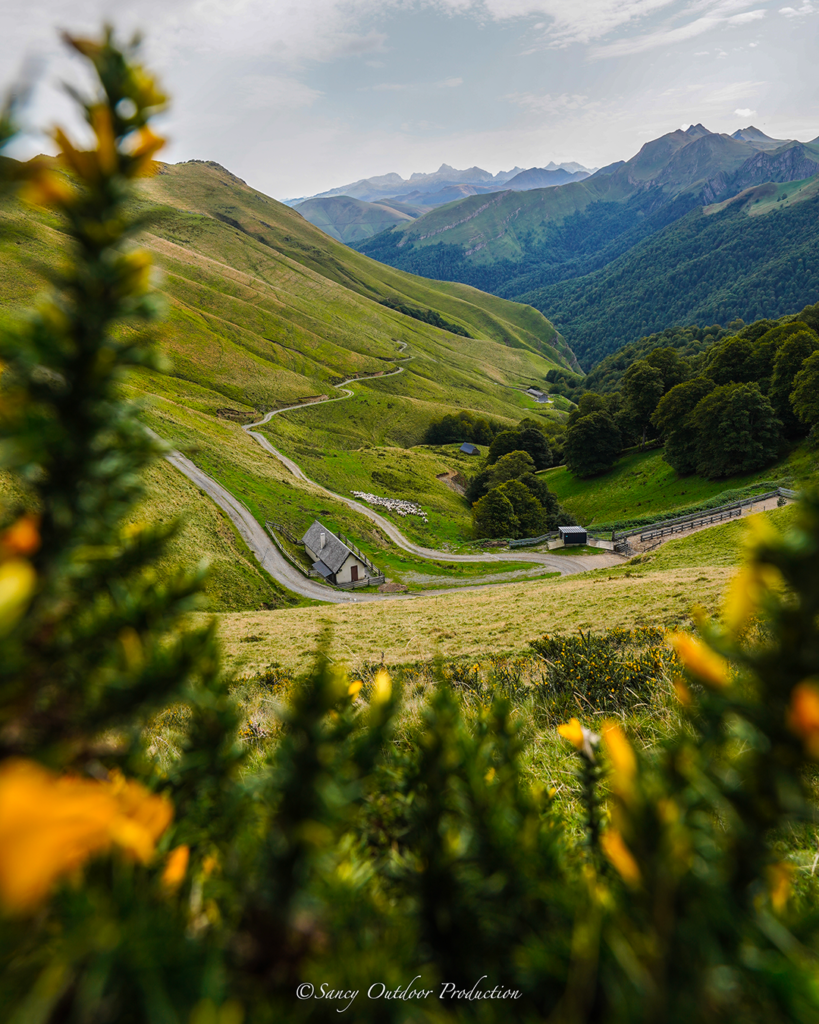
693, 524
523, 542
782, 492
694, 520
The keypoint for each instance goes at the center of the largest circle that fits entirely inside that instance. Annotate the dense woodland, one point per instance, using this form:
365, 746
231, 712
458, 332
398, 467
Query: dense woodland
730, 405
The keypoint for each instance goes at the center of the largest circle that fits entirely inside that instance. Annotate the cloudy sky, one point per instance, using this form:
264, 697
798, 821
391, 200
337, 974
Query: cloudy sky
299, 96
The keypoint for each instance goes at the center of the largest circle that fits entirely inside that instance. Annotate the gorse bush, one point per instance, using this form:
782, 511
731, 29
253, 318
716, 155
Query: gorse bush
394, 866
609, 673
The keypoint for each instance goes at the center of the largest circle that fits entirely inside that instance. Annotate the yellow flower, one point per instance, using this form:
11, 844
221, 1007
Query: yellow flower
44, 186
573, 732
700, 660
580, 737
176, 866
51, 825
803, 715
623, 761
17, 583
22, 537
147, 144
354, 687
745, 593
382, 689
779, 884
621, 857
106, 143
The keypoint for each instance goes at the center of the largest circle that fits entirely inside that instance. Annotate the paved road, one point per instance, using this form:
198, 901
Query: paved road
564, 564
274, 562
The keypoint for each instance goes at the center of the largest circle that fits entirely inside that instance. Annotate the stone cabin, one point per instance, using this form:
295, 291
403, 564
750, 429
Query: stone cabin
331, 557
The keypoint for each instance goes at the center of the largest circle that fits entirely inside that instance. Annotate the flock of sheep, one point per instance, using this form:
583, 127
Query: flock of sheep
397, 505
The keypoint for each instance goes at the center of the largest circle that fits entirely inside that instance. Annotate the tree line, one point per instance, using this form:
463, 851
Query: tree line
728, 409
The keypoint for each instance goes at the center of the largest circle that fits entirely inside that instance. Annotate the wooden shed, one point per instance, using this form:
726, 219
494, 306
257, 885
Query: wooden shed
470, 449
573, 535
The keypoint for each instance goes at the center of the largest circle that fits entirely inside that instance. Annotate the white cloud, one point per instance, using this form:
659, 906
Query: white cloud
450, 83
797, 12
744, 112
719, 14
276, 92
743, 19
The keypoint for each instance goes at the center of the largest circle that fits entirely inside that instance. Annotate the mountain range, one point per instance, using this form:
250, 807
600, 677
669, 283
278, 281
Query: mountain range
605, 257
358, 211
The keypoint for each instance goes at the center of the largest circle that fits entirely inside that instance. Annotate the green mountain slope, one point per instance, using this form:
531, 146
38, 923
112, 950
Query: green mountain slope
264, 311
705, 268
351, 220
565, 250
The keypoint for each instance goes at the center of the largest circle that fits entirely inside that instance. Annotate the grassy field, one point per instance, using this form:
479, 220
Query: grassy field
643, 484
484, 623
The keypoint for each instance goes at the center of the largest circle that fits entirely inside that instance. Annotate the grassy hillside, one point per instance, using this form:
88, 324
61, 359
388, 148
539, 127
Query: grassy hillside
263, 310
351, 220
480, 624
642, 484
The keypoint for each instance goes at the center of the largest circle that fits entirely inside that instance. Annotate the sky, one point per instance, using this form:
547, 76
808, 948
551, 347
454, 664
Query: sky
301, 96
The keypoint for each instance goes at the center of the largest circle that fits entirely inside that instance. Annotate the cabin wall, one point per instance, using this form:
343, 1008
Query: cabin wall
345, 575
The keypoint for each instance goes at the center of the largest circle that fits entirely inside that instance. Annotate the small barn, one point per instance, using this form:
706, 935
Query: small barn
331, 557
573, 535
470, 449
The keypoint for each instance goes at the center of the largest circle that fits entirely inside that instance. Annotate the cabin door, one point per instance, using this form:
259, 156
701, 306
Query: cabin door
354, 573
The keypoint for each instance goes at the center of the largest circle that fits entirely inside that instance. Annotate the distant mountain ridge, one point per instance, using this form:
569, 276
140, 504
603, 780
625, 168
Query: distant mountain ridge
384, 186
598, 256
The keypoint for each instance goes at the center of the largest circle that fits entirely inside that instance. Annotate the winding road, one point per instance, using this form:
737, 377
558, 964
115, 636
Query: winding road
274, 562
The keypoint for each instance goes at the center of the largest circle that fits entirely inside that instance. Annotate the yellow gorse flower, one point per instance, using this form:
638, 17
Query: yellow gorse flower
700, 660
176, 867
51, 825
573, 732
621, 857
745, 593
17, 583
779, 884
382, 688
623, 761
803, 715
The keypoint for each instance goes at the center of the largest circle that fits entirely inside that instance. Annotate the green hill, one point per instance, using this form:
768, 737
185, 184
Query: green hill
351, 220
263, 311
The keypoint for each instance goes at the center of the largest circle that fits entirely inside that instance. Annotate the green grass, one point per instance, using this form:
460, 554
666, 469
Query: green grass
642, 484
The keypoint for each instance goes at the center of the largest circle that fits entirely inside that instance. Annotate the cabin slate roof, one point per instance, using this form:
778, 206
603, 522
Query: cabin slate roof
571, 530
470, 449
334, 553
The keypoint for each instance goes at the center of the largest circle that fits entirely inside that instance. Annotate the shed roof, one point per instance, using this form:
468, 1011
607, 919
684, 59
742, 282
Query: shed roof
470, 449
334, 553
571, 529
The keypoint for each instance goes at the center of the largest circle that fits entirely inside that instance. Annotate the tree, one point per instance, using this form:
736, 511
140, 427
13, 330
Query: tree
508, 467
592, 445
732, 362
494, 516
674, 367
805, 394
738, 431
642, 389
530, 514
534, 442
672, 417
503, 443
588, 402
556, 515
788, 362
